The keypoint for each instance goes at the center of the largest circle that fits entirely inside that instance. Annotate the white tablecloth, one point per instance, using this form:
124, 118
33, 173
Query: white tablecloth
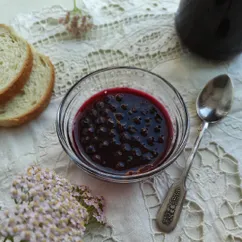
135, 33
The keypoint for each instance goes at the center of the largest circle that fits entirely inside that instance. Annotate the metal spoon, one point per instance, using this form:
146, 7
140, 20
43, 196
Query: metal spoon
213, 104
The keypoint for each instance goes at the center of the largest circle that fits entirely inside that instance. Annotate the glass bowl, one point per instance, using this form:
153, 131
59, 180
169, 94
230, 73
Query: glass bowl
130, 77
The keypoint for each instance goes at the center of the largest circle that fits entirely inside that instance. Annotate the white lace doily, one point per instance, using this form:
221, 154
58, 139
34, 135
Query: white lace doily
142, 34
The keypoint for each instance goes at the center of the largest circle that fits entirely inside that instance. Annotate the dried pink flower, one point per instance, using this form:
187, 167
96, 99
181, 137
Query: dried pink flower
77, 23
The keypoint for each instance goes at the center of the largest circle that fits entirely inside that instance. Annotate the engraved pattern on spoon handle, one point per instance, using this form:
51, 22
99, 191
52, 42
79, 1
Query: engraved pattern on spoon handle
171, 208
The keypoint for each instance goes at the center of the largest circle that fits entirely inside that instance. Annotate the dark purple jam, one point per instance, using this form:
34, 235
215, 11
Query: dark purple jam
122, 129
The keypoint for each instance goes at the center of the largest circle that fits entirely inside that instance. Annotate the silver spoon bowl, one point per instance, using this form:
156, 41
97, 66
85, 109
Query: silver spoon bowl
213, 104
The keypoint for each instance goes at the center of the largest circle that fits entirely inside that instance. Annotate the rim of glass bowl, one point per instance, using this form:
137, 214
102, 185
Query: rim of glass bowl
115, 177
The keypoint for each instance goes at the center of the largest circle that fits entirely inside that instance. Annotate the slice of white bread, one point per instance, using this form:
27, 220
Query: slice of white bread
16, 60
33, 98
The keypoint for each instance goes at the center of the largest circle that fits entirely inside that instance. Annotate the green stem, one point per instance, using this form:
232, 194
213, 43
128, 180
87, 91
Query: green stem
76, 9
9, 238
75, 6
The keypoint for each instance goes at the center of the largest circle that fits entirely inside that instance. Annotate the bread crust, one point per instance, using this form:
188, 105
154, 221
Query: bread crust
39, 108
15, 86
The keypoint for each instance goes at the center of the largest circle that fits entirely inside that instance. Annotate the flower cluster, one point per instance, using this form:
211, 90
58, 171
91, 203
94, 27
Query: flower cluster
49, 208
76, 23
94, 205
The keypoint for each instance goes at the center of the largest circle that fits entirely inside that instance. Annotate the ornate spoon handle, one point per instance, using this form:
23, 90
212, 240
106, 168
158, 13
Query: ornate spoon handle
170, 210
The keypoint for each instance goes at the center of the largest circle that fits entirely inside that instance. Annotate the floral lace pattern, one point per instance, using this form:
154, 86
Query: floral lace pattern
142, 34
213, 206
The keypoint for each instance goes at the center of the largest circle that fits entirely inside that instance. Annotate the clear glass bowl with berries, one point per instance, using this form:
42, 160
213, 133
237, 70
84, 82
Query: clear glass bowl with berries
123, 124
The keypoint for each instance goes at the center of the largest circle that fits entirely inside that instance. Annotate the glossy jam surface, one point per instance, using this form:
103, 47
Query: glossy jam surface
122, 129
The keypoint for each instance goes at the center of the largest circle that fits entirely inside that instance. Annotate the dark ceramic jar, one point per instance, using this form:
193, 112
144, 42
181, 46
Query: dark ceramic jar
211, 28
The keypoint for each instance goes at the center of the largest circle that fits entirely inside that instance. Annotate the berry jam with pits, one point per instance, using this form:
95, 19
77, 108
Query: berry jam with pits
123, 129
